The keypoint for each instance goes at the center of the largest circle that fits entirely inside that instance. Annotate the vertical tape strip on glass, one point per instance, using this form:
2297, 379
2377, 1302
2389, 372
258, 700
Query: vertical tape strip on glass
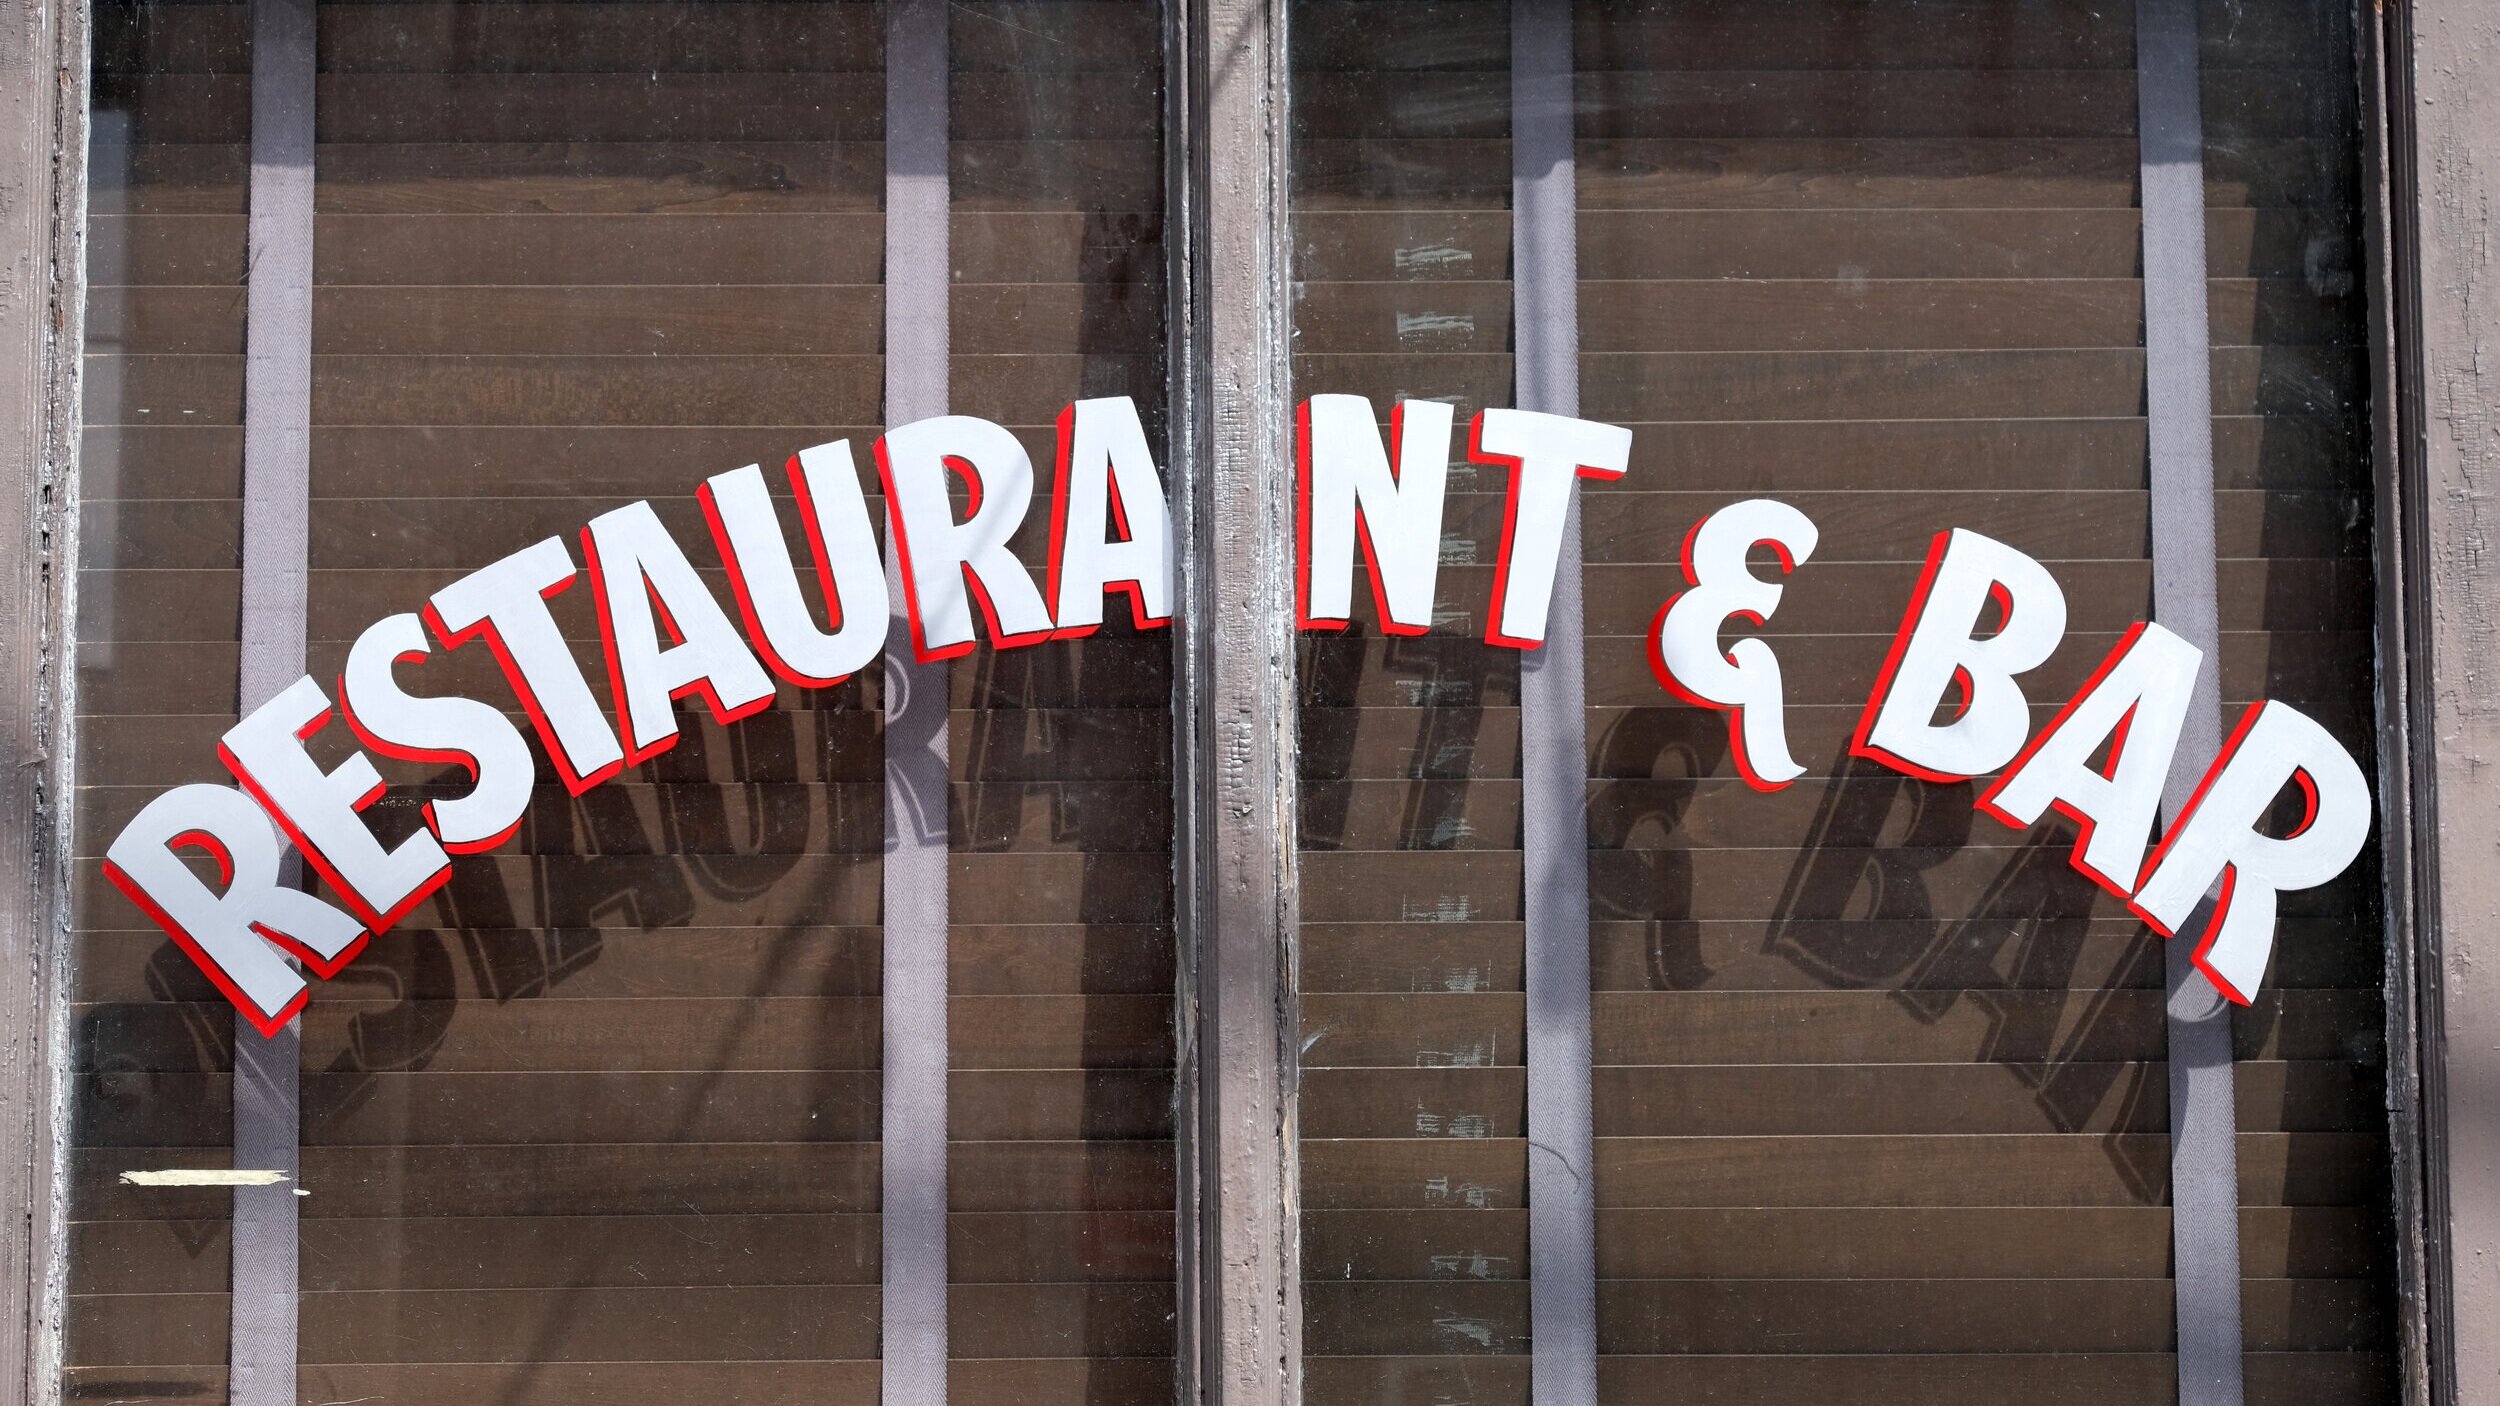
2204, 1176
1553, 755
914, 1126
277, 454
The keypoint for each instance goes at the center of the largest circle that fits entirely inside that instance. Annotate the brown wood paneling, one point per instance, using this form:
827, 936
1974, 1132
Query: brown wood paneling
503, 327
2030, 1169
2062, 1379
1020, 1382
455, 1253
579, 1325
1840, 1099
1756, 172
1821, 1027
1720, 35
525, 1180
1816, 314
136, 444
1763, 886
1426, 245
764, 818
1023, 1321
554, 964
2030, 1242
1878, 262
708, 1105
1106, 672
1856, 1315
631, 106
690, 1035
2050, 382
601, 1384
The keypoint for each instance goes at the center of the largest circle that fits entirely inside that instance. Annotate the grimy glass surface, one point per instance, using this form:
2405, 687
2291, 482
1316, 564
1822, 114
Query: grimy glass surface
2294, 508
1880, 1087
600, 1120
1413, 1157
159, 614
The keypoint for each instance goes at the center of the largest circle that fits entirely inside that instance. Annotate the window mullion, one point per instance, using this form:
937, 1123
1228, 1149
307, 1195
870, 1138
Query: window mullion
1239, 886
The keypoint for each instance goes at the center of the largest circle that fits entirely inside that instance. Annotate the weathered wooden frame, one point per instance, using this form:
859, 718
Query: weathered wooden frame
43, 216
1238, 885
2430, 88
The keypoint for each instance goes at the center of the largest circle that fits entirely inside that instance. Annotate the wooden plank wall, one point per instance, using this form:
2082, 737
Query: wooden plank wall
2280, 79
600, 1122
1413, 1100
160, 613
1880, 1097
1063, 1176
1879, 1087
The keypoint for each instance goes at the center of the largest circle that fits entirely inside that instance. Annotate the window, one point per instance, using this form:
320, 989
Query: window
1880, 1096
876, 1036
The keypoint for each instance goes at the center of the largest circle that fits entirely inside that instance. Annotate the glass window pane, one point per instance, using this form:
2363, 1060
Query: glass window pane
2293, 508
1061, 1223
161, 462
1884, 1076
1413, 1097
601, 1117
1881, 1086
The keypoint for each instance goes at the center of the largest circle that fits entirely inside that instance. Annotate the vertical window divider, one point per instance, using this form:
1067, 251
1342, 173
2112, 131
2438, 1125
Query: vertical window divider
2408, 820
44, 134
1184, 177
1553, 737
277, 452
1237, 792
913, 1128
2204, 1161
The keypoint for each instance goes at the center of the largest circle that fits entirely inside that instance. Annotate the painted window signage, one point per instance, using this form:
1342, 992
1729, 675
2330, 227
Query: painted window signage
1948, 704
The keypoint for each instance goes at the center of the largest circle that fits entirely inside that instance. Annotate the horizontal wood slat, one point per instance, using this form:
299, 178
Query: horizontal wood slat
1858, 1315
1927, 1243
838, 247
1730, 1100
691, 1035
505, 964
791, 1322
358, 108
637, 1251
801, 319
713, 177
1733, 955
1975, 104
1430, 245
1968, 1379
2035, 1169
646, 1179
534, 38
1000, 1382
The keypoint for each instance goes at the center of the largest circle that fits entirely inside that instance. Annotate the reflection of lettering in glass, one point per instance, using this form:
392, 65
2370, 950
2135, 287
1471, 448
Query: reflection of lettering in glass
1983, 614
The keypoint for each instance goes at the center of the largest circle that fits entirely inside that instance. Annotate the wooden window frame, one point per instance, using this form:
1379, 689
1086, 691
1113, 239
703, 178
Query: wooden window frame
43, 257
1234, 735
2431, 105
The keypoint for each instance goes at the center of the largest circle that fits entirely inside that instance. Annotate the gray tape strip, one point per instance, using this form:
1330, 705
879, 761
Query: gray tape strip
277, 364
2204, 1168
277, 454
916, 275
1553, 755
